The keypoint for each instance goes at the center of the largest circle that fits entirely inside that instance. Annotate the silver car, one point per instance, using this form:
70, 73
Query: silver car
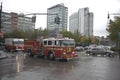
79, 48
101, 51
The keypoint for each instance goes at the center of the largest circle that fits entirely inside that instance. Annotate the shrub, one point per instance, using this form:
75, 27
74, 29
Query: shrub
117, 48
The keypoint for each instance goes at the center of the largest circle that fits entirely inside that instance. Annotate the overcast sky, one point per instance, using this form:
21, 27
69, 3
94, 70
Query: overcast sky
100, 8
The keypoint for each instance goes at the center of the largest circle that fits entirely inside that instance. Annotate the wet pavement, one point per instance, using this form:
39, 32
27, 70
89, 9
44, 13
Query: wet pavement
21, 67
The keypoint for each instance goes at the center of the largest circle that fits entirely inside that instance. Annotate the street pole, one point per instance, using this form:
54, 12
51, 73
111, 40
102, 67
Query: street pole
0, 16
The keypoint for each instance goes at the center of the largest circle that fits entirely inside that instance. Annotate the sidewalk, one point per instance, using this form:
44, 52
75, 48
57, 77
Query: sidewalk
3, 55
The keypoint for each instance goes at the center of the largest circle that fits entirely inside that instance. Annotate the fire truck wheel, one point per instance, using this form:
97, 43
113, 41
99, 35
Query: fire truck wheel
51, 56
11, 50
30, 53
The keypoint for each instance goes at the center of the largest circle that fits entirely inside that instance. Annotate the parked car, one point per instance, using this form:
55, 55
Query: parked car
79, 48
101, 51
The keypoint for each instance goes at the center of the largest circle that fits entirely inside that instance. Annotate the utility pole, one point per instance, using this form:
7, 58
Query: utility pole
0, 16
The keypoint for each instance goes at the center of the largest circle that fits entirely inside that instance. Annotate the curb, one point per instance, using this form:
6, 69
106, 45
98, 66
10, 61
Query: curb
3, 57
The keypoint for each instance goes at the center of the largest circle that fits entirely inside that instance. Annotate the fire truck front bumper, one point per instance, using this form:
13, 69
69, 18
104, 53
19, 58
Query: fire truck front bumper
75, 55
69, 56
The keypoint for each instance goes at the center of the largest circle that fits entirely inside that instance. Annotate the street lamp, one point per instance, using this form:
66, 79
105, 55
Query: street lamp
112, 14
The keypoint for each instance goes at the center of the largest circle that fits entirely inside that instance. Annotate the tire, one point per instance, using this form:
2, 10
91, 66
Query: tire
30, 53
108, 54
94, 54
88, 53
51, 56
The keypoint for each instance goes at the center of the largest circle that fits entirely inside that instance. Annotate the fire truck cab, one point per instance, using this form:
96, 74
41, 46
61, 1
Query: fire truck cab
63, 48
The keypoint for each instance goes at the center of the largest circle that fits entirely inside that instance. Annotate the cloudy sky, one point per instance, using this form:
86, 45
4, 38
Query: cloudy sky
100, 8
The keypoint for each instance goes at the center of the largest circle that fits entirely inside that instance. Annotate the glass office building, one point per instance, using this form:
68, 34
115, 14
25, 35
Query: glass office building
62, 12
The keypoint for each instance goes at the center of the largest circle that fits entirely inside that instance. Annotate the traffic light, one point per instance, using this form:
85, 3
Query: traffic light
34, 19
108, 16
57, 20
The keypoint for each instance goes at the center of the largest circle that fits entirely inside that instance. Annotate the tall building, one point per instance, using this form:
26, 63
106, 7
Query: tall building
62, 12
73, 22
13, 21
90, 24
82, 21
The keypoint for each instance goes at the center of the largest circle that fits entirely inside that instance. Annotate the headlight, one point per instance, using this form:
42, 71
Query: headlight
73, 52
64, 53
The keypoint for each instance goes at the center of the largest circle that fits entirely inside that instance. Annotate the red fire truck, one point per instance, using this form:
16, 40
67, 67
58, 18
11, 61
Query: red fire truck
52, 48
14, 44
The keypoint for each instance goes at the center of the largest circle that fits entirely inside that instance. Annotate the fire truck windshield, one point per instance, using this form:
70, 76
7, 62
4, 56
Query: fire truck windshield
68, 43
18, 42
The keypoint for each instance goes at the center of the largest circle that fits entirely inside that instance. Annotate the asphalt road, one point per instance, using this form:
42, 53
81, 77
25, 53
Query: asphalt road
21, 67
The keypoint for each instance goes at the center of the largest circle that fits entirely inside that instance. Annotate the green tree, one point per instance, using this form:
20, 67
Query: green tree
14, 34
113, 29
66, 34
94, 40
45, 33
27, 34
85, 40
77, 36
